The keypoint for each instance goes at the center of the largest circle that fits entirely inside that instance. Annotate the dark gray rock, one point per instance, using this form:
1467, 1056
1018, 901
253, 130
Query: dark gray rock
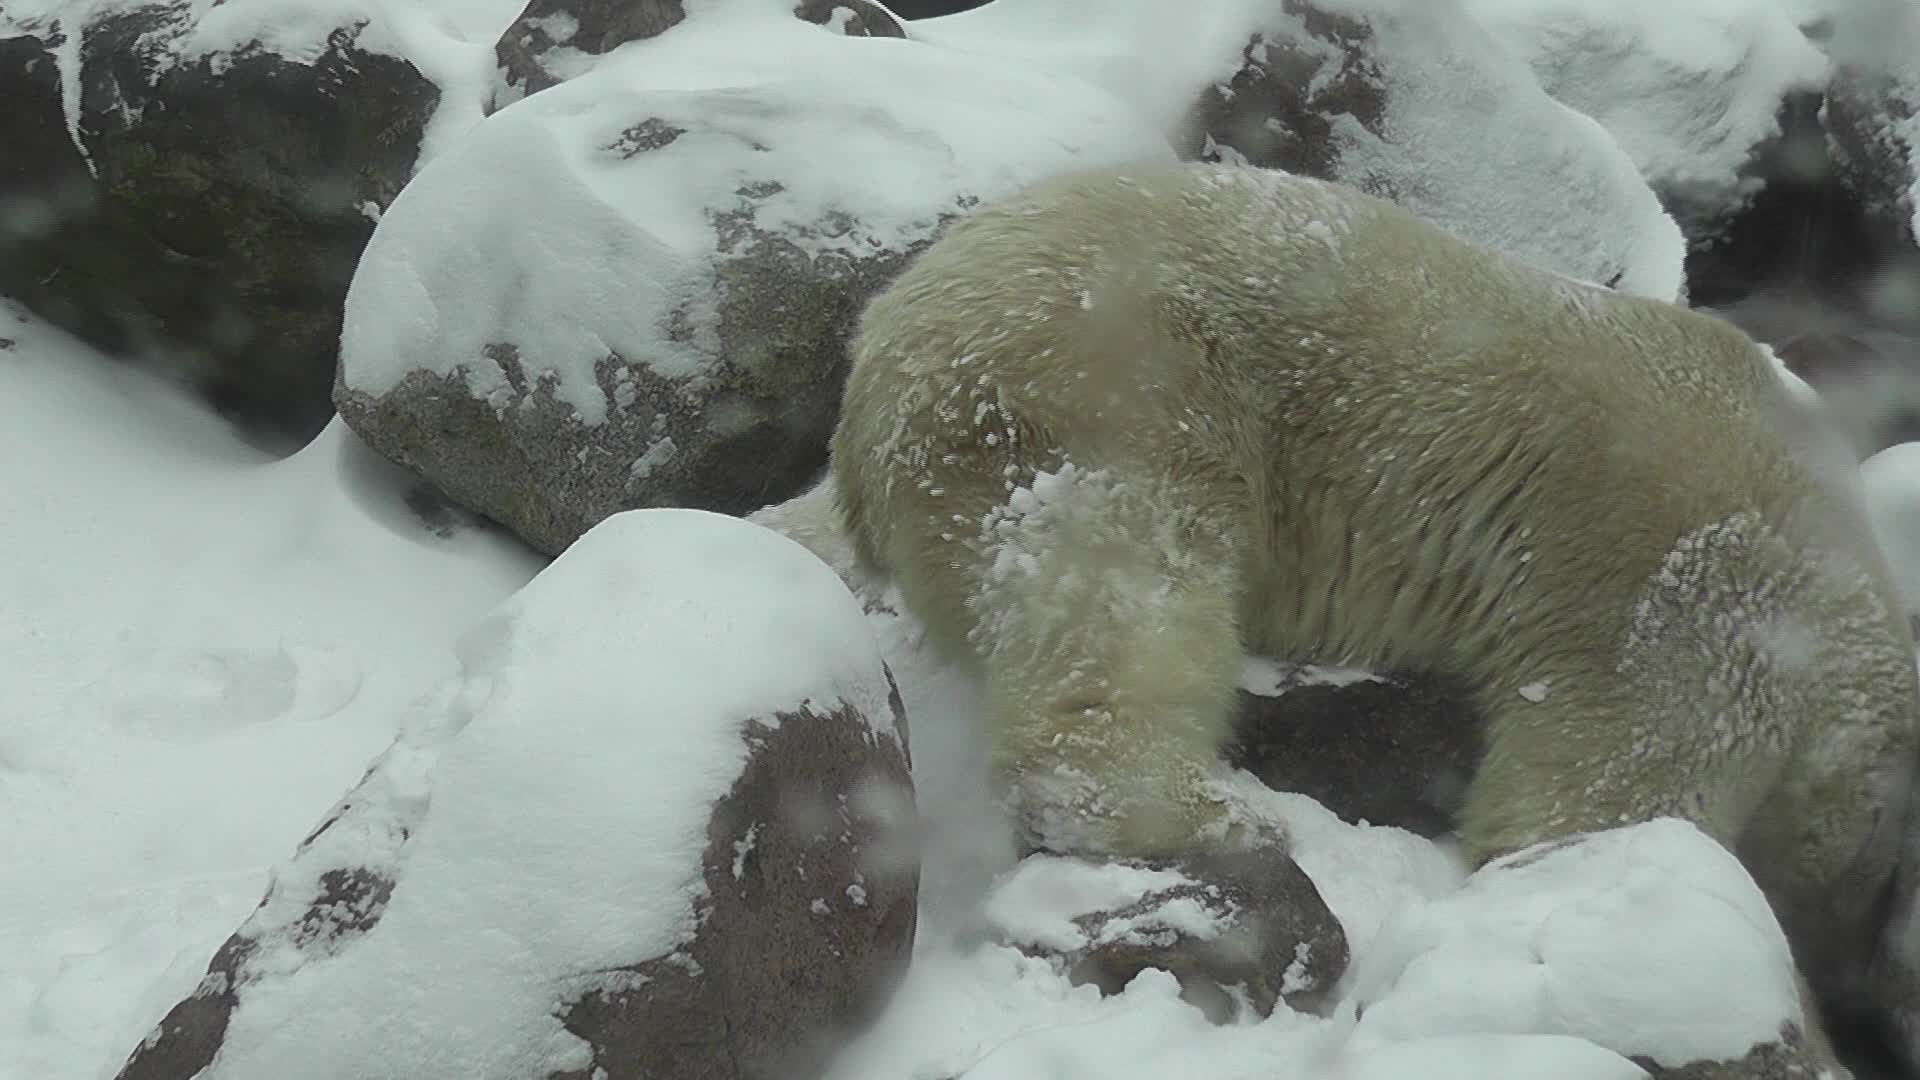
554, 40
1277, 942
807, 929
752, 433
931, 9
1268, 937
213, 222
43, 176
856, 18
713, 255
1870, 121
771, 978
1278, 108
1835, 219
584, 28
1391, 750
1785, 1059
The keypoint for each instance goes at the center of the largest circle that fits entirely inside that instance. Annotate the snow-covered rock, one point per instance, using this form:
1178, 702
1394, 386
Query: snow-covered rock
1242, 927
1873, 120
659, 825
1650, 941
634, 288
1409, 99
555, 40
1873, 111
213, 180
1690, 89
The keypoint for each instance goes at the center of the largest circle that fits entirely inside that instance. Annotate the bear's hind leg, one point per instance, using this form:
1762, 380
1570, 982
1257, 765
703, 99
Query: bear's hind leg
1574, 754
1105, 622
1827, 848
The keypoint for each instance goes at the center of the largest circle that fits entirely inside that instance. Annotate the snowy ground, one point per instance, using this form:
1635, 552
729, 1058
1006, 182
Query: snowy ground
203, 648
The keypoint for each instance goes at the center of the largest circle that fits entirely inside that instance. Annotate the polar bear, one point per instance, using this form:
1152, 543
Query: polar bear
1112, 432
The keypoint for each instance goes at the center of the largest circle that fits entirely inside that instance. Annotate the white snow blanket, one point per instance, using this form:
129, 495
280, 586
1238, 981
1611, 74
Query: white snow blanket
1688, 88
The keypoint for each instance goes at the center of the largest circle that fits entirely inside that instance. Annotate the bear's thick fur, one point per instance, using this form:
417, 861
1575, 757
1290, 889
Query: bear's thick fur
1110, 432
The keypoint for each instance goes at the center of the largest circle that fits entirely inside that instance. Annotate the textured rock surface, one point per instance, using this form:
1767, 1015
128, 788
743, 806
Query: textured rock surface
808, 928
518, 848
1785, 1059
554, 40
670, 329
1419, 104
1244, 926
213, 222
1873, 120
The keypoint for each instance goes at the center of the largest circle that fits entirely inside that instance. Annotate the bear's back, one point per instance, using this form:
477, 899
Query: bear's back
1403, 405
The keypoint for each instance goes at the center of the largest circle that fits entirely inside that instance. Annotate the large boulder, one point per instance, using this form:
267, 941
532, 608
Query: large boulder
192, 185
1692, 90
620, 293
1836, 217
1415, 102
1874, 120
1873, 112
1420, 104
660, 826
1650, 941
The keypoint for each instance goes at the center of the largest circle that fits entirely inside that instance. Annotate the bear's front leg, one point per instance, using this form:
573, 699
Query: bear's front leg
1098, 779
1105, 623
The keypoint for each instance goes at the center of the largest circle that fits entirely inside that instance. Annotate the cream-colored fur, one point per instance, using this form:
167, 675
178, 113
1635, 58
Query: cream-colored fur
1110, 432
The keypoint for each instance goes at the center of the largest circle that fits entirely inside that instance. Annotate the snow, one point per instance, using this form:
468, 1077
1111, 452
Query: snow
1585, 211
1616, 939
1039, 900
856, 146
1445, 68
581, 221
203, 648
630, 665
1688, 88
1876, 38
448, 41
